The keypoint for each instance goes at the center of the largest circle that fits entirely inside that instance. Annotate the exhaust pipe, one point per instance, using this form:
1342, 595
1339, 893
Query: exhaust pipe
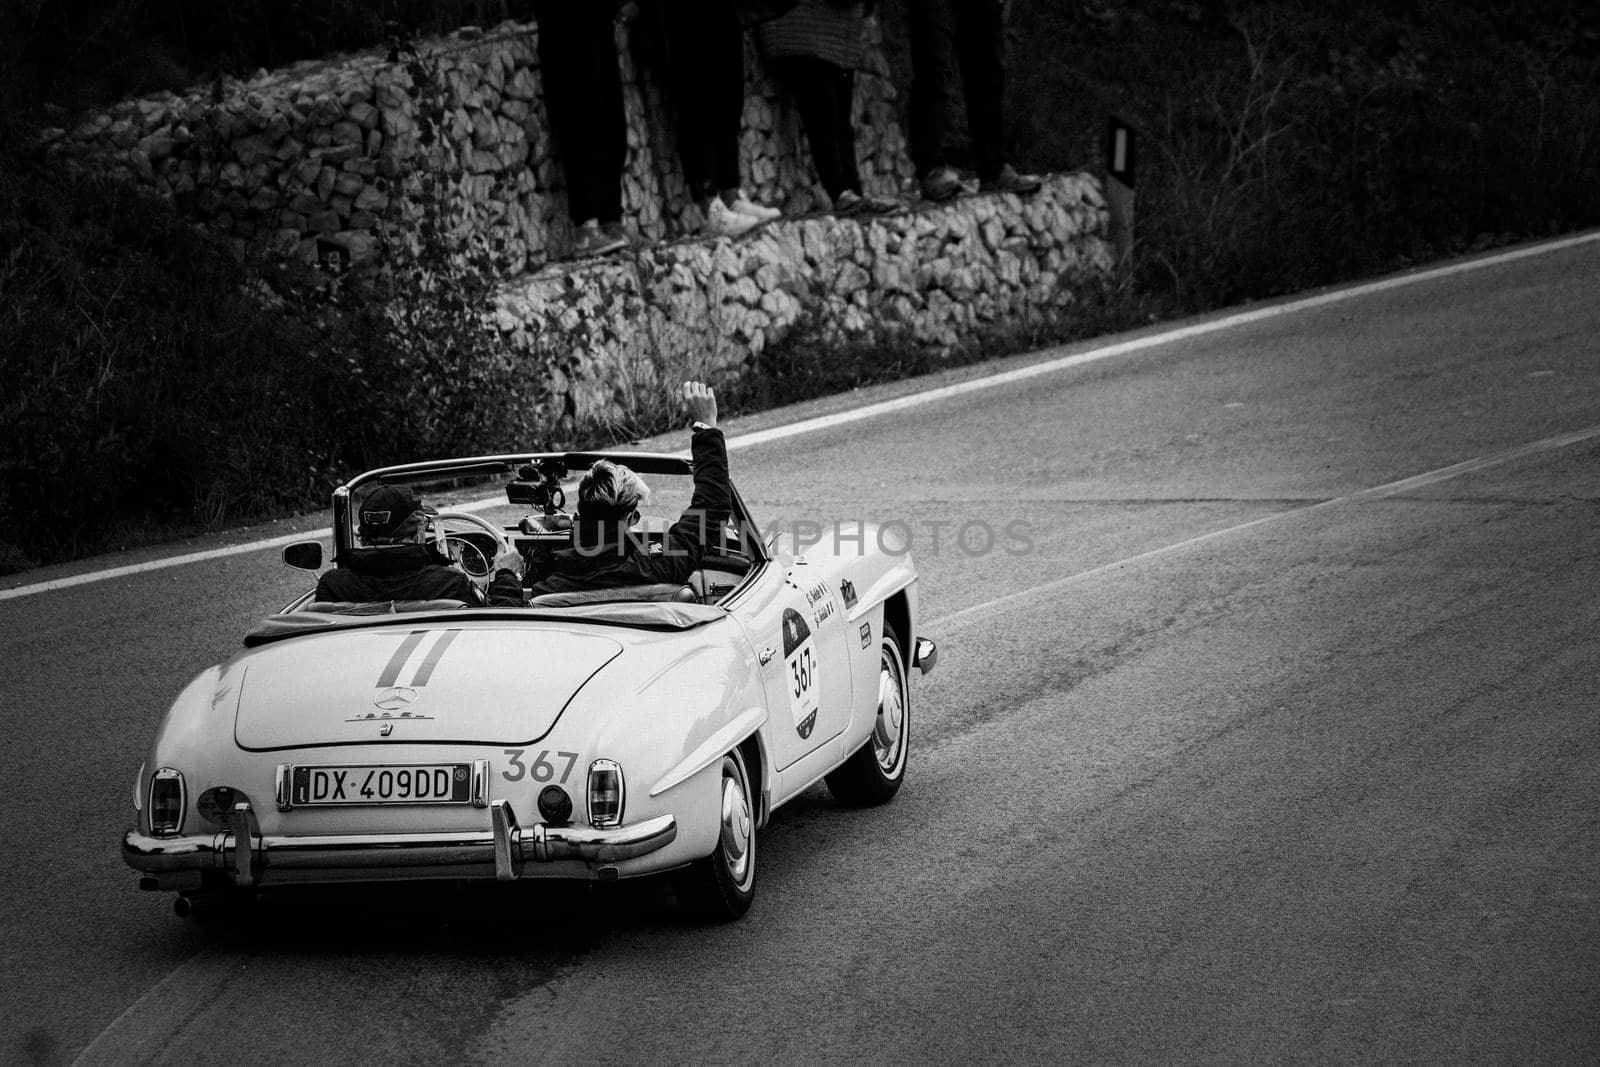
202, 903
187, 905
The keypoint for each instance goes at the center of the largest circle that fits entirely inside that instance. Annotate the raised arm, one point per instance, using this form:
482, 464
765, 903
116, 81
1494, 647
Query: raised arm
701, 523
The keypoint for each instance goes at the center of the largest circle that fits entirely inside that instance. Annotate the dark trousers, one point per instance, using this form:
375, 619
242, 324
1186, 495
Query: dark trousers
950, 37
824, 95
583, 97
705, 59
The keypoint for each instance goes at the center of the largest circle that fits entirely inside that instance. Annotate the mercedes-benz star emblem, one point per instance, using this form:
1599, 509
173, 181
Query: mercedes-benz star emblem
395, 697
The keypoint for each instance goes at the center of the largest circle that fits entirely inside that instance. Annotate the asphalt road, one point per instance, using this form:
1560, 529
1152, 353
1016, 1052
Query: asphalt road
1269, 734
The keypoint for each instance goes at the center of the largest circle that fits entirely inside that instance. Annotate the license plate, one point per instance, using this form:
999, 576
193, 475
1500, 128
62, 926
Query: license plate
425, 783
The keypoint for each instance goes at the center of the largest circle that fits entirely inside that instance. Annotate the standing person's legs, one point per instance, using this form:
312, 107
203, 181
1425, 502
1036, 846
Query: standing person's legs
816, 86
843, 101
981, 34
981, 52
583, 97
705, 46
933, 68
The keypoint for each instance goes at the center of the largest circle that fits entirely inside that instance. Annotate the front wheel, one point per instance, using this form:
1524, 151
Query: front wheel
874, 773
722, 886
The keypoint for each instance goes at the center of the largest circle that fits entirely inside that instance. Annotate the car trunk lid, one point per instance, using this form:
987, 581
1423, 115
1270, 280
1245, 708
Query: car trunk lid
470, 684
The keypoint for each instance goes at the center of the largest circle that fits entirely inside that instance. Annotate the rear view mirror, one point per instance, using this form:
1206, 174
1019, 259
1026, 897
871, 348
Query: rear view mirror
305, 555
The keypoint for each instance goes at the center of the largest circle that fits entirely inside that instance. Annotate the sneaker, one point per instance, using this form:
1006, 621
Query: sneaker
1009, 181
723, 221
743, 205
851, 202
940, 183
596, 240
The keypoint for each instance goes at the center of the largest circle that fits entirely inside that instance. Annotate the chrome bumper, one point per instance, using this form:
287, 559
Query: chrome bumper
925, 655
506, 849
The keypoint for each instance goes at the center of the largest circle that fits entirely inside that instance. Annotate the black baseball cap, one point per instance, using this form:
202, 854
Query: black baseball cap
387, 508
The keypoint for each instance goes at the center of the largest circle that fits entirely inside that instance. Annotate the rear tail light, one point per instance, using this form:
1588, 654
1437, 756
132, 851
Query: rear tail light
606, 793
167, 801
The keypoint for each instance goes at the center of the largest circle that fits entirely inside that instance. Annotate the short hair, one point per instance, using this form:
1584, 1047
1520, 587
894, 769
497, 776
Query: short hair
610, 491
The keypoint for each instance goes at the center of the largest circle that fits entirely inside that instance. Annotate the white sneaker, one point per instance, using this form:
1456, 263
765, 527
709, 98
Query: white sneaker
723, 221
743, 205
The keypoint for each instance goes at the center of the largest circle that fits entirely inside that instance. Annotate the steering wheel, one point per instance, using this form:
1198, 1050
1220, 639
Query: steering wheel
479, 568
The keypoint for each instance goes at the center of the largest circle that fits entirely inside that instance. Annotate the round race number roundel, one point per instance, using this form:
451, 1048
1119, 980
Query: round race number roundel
801, 666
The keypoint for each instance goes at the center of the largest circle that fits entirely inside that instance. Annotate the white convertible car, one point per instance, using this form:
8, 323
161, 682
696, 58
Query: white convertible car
575, 738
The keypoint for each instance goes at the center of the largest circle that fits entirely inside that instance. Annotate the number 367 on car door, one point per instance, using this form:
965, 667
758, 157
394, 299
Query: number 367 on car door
801, 666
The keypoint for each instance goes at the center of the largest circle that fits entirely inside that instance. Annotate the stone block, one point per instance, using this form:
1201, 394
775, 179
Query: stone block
364, 115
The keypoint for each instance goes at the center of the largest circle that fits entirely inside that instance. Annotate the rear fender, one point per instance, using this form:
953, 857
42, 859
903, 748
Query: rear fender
712, 749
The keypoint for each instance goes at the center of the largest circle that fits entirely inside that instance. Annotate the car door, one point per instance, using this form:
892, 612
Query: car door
796, 623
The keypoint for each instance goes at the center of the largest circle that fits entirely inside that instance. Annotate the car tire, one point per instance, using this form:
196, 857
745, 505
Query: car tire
722, 886
872, 775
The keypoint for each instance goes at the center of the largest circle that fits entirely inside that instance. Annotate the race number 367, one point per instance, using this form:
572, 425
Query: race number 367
541, 769
800, 661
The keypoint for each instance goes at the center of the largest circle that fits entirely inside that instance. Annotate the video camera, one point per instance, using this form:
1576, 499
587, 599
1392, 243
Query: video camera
539, 485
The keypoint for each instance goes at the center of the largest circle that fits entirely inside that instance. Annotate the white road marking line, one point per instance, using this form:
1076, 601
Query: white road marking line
200, 557
159, 564
139, 1034
918, 399
1139, 344
1404, 485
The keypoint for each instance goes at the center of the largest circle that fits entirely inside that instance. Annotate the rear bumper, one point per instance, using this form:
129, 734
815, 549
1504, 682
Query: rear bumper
503, 852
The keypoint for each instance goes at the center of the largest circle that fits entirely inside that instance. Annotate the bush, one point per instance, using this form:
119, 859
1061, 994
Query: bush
145, 385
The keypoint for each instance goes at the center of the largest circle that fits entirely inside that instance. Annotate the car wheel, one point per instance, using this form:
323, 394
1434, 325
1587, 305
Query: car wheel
721, 886
874, 773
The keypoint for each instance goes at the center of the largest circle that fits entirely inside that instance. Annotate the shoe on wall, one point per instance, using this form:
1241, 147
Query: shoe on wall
1009, 181
851, 202
723, 221
941, 183
596, 240
743, 205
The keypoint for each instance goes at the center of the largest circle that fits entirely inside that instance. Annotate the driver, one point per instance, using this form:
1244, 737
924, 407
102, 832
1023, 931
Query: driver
606, 553
398, 562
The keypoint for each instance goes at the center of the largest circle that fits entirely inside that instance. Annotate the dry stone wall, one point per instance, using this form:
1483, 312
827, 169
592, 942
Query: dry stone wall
939, 277
340, 158
322, 154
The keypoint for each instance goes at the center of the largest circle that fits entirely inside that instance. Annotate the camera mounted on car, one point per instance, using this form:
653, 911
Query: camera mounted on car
539, 485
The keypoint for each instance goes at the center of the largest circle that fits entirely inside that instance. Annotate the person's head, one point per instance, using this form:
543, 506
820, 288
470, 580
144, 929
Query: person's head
393, 515
610, 492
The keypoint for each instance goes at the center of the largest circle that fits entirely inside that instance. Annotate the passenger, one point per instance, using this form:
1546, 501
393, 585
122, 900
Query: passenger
607, 554
397, 562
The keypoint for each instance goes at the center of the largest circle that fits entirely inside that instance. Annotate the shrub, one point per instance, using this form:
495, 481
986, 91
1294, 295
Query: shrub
145, 384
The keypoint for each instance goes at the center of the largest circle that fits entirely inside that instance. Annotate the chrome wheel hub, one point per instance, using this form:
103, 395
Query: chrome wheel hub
891, 719
737, 828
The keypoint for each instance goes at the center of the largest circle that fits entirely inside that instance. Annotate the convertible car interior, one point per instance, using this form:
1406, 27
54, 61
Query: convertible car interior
536, 522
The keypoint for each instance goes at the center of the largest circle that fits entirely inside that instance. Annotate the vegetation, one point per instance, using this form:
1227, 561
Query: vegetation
161, 381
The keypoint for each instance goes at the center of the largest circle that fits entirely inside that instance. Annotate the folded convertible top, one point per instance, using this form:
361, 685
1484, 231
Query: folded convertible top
633, 614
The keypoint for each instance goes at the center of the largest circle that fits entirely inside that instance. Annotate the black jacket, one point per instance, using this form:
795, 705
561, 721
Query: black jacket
407, 572
608, 555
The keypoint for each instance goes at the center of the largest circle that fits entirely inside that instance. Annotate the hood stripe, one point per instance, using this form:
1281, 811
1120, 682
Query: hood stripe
435, 654
398, 660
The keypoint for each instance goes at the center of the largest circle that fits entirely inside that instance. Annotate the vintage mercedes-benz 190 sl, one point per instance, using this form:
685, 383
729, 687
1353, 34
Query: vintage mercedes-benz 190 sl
601, 737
